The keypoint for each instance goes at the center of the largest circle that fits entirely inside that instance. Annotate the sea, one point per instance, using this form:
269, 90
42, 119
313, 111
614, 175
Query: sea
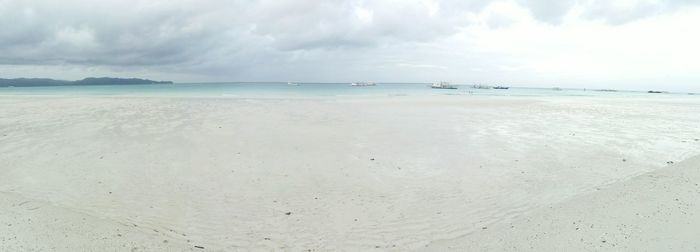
307, 90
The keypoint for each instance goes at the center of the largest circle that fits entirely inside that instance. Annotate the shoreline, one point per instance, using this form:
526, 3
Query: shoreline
314, 91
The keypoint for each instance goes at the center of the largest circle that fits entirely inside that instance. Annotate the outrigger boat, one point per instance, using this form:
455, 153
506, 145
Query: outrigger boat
442, 85
478, 86
363, 84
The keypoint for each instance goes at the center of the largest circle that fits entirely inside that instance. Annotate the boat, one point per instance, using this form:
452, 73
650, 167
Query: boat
656, 92
292, 84
362, 84
442, 85
478, 86
500, 87
606, 90
557, 89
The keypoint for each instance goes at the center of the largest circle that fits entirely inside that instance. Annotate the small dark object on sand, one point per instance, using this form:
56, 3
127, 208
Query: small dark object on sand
484, 228
669, 162
288, 213
372, 159
624, 160
199, 247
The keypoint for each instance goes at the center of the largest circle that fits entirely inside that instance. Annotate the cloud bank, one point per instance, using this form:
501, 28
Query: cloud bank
533, 42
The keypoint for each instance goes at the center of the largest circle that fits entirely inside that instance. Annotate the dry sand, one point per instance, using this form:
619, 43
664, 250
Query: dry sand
400, 173
658, 211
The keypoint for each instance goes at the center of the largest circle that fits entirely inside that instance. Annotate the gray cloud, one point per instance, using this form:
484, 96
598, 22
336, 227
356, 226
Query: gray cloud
141, 32
615, 12
310, 24
549, 11
104, 32
620, 14
187, 32
271, 39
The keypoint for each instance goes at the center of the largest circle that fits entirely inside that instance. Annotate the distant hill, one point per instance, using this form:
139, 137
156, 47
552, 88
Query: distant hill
40, 82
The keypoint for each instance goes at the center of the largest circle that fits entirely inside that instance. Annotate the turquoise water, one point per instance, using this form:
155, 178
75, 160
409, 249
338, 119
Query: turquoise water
272, 90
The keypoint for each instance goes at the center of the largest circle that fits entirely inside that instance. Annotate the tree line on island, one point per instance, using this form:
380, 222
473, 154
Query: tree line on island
42, 82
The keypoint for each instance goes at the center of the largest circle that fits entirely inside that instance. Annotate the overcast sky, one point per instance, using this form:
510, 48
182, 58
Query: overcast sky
635, 44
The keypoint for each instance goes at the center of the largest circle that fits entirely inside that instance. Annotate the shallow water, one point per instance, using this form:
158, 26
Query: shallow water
306, 90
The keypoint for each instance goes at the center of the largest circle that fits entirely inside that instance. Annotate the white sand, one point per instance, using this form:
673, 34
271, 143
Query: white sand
658, 211
388, 173
38, 226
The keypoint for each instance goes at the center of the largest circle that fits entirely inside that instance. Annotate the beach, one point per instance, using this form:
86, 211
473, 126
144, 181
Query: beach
396, 173
656, 211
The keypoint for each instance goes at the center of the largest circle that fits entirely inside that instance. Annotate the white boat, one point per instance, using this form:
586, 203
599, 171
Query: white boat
292, 84
362, 84
442, 85
479, 86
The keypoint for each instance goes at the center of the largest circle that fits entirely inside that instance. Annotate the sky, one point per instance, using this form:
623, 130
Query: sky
623, 44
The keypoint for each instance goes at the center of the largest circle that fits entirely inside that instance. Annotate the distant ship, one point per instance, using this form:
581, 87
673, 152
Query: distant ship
442, 85
500, 87
656, 92
557, 89
481, 86
363, 84
292, 84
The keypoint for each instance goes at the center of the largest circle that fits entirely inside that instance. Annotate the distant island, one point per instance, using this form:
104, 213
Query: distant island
41, 82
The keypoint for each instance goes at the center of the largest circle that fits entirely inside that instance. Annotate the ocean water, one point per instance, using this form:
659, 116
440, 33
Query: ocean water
304, 90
